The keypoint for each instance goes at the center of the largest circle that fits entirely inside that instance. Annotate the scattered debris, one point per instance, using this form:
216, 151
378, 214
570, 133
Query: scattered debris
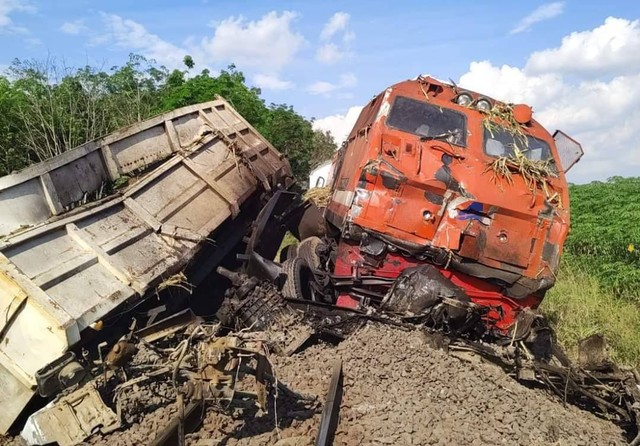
418, 284
71, 419
330, 414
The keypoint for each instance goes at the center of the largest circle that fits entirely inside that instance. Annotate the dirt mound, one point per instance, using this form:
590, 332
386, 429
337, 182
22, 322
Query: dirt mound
397, 390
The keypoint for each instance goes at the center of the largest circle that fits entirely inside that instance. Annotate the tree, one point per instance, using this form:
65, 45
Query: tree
46, 108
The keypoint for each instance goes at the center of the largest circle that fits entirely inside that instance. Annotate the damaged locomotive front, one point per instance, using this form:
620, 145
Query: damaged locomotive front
459, 184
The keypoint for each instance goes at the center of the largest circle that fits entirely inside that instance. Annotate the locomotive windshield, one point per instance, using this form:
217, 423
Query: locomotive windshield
427, 120
499, 141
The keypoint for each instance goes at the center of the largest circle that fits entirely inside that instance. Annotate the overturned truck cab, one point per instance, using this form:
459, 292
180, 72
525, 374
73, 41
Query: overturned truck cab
433, 174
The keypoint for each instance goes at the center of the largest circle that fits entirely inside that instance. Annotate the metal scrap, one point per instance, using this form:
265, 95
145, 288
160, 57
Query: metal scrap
330, 413
71, 419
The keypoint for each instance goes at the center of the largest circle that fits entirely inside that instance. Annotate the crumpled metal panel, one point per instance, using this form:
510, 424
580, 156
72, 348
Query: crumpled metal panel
71, 419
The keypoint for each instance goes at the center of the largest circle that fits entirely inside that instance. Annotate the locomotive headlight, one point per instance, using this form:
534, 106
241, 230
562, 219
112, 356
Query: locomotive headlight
464, 99
483, 105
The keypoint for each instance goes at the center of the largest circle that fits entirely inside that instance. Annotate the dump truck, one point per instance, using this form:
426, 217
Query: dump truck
460, 195
88, 237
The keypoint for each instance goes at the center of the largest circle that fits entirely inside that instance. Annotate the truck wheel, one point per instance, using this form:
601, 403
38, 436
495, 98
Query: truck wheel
289, 252
308, 250
297, 277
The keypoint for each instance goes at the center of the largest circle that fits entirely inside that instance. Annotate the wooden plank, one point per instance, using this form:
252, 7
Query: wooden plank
142, 214
172, 136
50, 194
219, 188
63, 271
109, 162
71, 155
84, 240
125, 239
256, 170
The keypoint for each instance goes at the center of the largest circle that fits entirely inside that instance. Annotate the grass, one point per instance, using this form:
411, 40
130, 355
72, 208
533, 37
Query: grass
288, 239
579, 306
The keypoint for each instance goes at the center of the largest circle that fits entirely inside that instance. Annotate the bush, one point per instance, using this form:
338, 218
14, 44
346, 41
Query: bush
605, 235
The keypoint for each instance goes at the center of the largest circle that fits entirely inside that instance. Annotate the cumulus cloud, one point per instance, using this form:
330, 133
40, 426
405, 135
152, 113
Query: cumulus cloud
325, 88
74, 27
270, 42
8, 8
611, 48
540, 14
330, 53
132, 35
339, 125
601, 113
338, 22
271, 82
336, 50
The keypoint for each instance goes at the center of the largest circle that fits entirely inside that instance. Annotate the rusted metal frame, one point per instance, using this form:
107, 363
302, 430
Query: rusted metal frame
231, 143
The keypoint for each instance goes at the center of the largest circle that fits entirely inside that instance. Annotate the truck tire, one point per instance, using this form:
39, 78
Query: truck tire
296, 281
308, 250
289, 252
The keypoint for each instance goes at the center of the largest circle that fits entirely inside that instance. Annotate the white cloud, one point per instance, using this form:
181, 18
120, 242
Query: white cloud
269, 43
133, 36
324, 88
339, 125
601, 113
74, 27
612, 48
330, 53
271, 82
540, 14
338, 22
8, 8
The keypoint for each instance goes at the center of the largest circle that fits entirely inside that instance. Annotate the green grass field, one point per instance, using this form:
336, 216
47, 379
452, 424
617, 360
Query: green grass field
579, 306
599, 282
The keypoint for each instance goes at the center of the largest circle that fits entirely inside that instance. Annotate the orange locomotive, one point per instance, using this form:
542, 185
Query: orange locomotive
432, 174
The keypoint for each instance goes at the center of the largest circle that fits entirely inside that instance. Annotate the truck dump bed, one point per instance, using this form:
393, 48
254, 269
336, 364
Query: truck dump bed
72, 251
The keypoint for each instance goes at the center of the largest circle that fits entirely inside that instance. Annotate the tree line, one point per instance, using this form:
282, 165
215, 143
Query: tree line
46, 108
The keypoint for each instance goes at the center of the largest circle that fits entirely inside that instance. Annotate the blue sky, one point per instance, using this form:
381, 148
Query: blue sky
327, 57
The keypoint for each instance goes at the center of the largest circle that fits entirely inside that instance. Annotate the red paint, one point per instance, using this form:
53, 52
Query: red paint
503, 310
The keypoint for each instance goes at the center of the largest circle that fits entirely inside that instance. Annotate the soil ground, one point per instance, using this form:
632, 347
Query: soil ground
398, 390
